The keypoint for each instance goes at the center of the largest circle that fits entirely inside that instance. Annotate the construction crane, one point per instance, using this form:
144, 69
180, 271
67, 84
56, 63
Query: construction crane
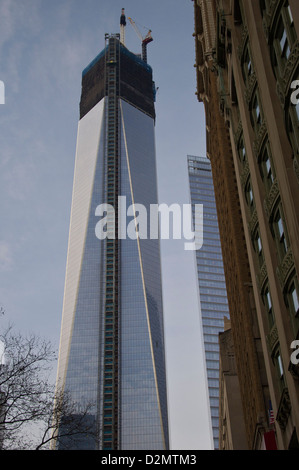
145, 40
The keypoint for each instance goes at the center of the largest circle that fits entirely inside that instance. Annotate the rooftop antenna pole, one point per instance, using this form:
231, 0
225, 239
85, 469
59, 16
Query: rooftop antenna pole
122, 26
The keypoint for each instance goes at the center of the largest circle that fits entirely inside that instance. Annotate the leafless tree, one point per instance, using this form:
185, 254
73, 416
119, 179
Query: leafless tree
30, 408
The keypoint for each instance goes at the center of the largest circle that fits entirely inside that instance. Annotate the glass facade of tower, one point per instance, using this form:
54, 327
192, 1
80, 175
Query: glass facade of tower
112, 353
211, 280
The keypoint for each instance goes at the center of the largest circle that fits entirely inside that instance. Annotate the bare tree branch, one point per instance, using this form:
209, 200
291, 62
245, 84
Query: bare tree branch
28, 399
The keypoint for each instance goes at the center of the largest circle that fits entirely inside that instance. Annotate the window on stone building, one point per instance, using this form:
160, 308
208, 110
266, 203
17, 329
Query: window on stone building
237, 13
295, 299
284, 38
247, 64
249, 194
291, 20
266, 167
277, 360
268, 305
280, 370
279, 233
256, 113
241, 149
292, 302
257, 243
256, 109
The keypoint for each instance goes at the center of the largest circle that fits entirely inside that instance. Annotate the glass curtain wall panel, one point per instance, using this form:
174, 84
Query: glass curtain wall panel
211, 279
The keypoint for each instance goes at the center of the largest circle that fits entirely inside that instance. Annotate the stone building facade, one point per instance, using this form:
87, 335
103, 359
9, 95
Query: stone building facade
247, 62
232, 435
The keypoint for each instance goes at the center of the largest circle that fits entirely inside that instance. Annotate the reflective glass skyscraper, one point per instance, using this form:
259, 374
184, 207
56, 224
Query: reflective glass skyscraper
112, 351
211, 280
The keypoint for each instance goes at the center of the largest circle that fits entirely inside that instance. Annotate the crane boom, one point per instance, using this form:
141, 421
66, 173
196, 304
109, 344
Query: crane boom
136, 28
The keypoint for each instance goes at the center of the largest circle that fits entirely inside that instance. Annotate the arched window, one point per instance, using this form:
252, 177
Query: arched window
279, 232
266, 167
284, 37
266, 296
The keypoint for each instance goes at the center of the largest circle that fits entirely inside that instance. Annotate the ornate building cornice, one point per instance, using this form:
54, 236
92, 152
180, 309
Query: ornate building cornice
285, 268
273, 339
284, 409
272, 198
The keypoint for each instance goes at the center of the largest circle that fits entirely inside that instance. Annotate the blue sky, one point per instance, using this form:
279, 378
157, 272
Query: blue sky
44, 46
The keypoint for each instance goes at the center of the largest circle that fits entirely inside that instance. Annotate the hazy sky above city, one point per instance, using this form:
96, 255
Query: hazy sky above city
44, 46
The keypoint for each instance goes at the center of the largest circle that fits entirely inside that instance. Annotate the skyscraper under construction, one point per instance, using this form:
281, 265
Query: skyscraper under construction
112, 351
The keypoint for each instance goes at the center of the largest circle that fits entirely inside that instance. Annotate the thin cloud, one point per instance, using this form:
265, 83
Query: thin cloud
6, 258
